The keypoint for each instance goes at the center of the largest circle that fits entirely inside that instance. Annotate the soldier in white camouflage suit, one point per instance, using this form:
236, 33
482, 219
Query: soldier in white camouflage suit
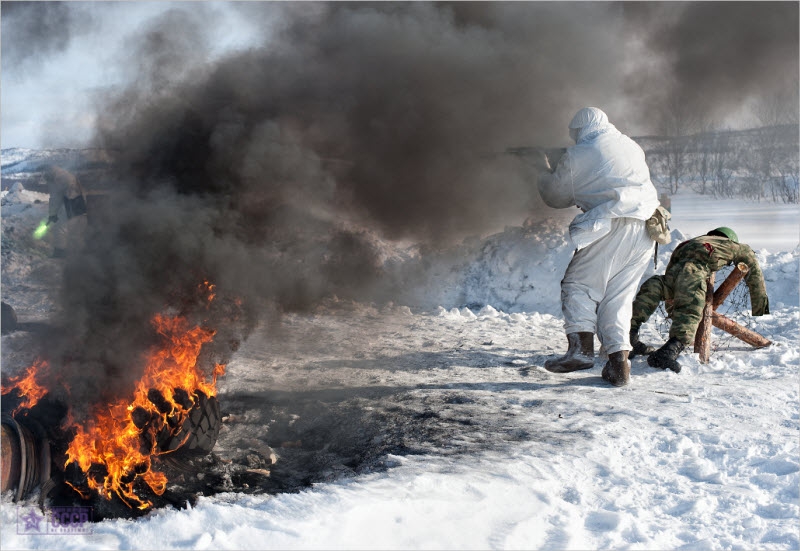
606, 176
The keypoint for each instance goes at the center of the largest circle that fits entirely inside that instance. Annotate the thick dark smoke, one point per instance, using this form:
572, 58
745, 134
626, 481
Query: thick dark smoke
276, 173
715, 56
31, 31
400, 106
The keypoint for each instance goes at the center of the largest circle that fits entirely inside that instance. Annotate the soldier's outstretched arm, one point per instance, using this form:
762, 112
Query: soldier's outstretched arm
759, 301
556, 188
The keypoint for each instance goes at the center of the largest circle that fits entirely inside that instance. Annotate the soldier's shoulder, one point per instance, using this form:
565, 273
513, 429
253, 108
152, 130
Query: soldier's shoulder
717, 240
698, 239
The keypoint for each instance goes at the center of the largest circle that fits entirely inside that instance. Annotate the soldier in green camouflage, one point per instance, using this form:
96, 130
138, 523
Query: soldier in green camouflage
683, 287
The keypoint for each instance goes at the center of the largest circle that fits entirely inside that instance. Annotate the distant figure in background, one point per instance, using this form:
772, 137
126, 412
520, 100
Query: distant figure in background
606, 176
683, 285
67, 214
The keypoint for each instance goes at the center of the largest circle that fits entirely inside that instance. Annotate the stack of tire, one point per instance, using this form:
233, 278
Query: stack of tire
198, 434
25, 457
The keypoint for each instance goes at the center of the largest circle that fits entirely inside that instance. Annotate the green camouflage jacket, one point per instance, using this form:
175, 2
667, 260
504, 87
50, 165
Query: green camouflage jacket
715, 252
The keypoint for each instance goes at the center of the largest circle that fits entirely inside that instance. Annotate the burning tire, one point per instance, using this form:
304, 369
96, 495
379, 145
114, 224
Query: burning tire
26, 457
199, 432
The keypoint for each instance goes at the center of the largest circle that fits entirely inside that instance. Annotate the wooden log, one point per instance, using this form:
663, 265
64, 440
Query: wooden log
702, 339
728, 325
730, 283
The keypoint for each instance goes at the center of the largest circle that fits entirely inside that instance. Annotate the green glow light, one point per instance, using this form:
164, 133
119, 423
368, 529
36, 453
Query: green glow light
40, 230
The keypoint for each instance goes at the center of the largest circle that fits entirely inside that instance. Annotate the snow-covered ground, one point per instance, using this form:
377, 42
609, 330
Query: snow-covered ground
485, 449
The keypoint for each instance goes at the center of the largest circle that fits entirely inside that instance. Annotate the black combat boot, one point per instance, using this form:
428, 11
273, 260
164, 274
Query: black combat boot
617, 370
580, 354
666, 357
639, 348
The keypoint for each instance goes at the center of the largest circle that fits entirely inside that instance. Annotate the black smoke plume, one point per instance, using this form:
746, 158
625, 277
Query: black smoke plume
277, 173
714, 57
34, 31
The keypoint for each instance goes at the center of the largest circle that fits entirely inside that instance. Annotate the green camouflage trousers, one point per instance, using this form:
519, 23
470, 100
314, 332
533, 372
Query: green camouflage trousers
685, 306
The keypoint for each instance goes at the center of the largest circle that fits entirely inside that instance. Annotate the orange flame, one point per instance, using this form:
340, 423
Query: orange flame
112, 443
27, 386
208, 288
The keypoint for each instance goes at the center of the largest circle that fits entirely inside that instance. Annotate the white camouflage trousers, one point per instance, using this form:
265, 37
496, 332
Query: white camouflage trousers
601, 280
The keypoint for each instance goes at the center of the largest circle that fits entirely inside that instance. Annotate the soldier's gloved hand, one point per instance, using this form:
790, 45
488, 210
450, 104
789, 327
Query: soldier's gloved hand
52, 220
763, 310
544, 162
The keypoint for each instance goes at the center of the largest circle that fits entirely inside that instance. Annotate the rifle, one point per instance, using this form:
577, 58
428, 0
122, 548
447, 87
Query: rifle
541, 158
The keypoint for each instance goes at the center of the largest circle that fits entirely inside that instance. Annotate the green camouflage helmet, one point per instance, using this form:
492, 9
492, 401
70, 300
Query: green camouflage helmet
722, 231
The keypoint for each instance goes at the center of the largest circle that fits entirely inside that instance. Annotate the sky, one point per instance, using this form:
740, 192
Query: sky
49, 91
60, 59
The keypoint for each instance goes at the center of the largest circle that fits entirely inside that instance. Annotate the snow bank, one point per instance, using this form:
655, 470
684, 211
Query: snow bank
517, 270
17, 199
520, 270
